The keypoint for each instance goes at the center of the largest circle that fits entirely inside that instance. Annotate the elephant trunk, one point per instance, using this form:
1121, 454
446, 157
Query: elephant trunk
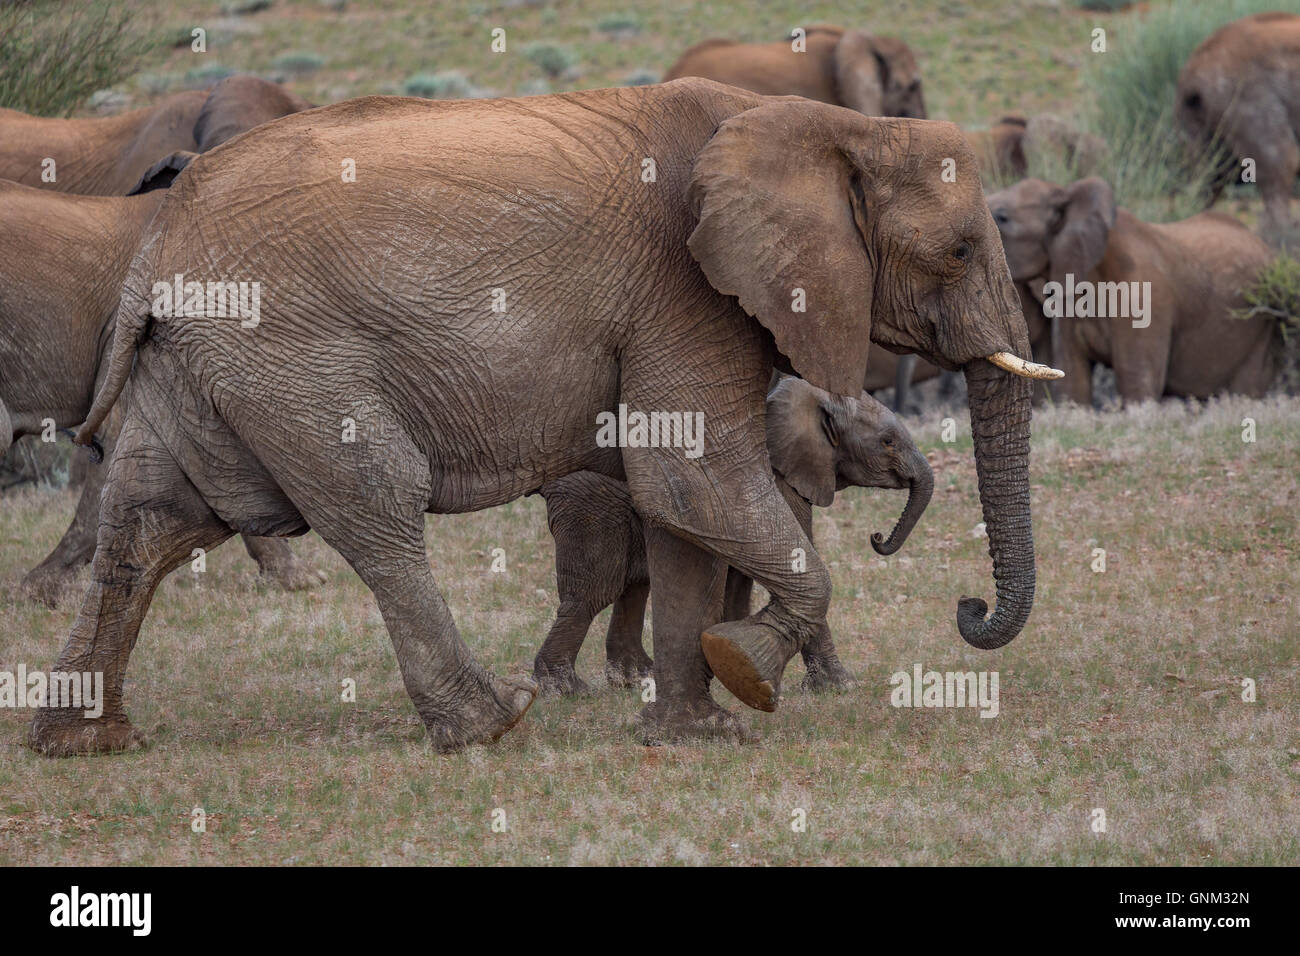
921, 487
999, 413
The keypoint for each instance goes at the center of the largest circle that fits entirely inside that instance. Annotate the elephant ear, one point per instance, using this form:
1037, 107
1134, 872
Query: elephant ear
1087, 216
781, 225
861, 73
804, 425
162, 173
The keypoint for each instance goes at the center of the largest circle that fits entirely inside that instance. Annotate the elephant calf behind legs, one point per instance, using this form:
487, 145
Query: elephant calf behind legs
817, 444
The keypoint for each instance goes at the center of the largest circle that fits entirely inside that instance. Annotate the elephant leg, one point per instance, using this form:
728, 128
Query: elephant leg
1279, 164
279, 564
903, 381
826, 672
696, 498
736, 597
687, 583
367, 501
626, 661
50, 579
152, 518
553, 668
1140, 360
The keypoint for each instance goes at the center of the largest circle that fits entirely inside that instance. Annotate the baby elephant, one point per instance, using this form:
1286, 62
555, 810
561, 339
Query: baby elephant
818, 444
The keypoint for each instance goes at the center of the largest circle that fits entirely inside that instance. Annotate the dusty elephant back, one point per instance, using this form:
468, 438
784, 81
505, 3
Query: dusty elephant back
463, 203
772, 69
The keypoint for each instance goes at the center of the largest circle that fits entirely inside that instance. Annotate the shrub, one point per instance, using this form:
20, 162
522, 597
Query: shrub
619, 24
550, 59
451, 85
297, 63
55, 53
1276, 293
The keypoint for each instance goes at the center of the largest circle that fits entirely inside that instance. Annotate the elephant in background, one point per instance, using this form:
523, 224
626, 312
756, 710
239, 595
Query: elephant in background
673, 296
99, 156
1007, 148
876, 76
63, 259
239, 103
1196, 269
818, 444
1241, 88
109, 156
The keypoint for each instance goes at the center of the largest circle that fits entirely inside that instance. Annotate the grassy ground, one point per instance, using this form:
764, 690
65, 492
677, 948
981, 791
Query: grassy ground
374, 47
1122, 694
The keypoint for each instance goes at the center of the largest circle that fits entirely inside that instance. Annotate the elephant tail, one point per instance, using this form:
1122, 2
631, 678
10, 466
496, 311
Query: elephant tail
130, 326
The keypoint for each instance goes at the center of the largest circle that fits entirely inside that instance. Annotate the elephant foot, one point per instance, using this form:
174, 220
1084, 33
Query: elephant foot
677, 721
826, 675
293, 576
558, 679
629, 670
749, 658
48, 585
68, 737
486, 716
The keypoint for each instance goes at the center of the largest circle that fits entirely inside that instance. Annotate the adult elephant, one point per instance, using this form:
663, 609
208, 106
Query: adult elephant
100, 156
1075, 236
62, 263
450, 331
1241, 88
877, 76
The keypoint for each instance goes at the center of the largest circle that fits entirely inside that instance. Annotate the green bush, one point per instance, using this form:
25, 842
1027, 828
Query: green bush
451, 85
297, 63
55, 53
619, 24
1275, 293
550, 59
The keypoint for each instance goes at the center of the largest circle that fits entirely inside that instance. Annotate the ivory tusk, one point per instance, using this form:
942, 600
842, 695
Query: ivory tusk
1018, 366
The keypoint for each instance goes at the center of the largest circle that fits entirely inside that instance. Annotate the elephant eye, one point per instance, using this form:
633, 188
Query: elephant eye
963, 251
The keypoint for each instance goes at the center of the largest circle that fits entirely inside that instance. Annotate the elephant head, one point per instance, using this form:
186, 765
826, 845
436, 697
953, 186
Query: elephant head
853, 233
822, 443
1050, 231
1206, 100
878, 76
239, 103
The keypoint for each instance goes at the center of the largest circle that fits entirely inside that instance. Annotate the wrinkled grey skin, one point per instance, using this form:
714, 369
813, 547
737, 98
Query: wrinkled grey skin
1241, 87
875, 75
1196, 268
672, 295
62, 262
818, 443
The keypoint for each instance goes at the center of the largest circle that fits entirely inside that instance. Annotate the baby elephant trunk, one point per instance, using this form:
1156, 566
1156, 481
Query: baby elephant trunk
921, 486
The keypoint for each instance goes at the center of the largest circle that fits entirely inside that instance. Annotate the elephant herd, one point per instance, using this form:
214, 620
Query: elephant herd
275, 318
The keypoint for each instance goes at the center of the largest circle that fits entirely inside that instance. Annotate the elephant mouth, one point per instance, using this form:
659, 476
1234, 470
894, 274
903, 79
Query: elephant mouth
1010, 362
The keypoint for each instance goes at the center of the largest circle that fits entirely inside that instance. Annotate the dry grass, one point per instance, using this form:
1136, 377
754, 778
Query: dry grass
1123, 693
